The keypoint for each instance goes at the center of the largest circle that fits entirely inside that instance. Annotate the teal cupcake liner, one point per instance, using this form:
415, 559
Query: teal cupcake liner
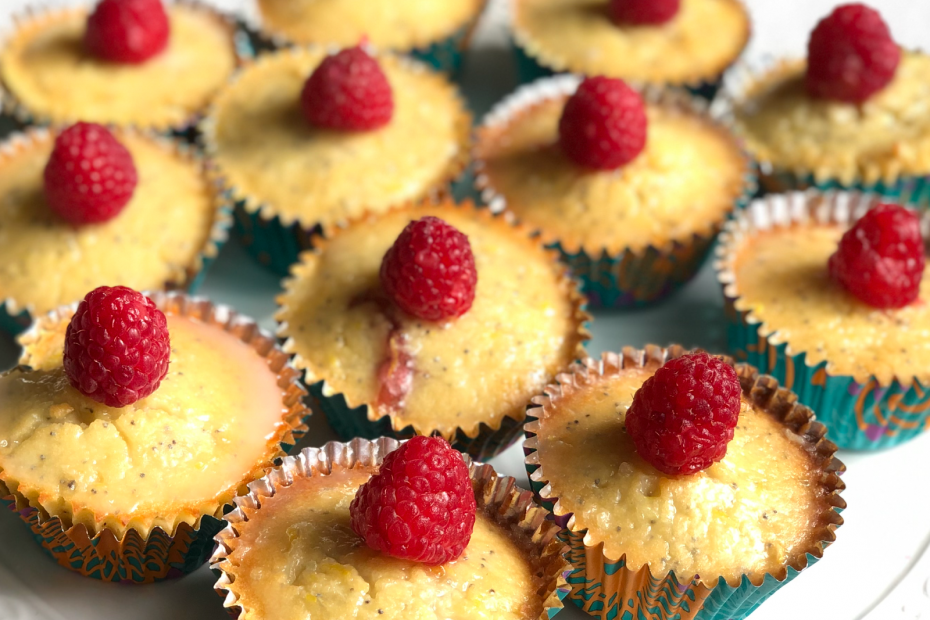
497, 496
16, 316
17, 114
628, 278
913, 189
272, 243
861, 415
128, 556
606, 588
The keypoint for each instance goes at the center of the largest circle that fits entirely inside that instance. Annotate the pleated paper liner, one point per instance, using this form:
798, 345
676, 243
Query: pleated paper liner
861, 414
155, 547
276, 241
746, 79
533, 63
617, 277
605, 587
16, 315
445, 55
37, 15
352, 419
498, 496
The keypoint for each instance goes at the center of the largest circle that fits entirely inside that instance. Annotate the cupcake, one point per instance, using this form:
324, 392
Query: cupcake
698, 505
132, 421
302, 543
124, 63
302, 140
436, 33
155, 220
633, 207
834, 305
431, 319
808, 124
669, 43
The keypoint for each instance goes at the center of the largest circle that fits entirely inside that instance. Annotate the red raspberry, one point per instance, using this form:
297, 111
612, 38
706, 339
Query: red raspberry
643, 12
127, 31
603, 125
880, 259
851, 55
90, 176
420, 506
348, 91
682, 418
117, 346
430, 270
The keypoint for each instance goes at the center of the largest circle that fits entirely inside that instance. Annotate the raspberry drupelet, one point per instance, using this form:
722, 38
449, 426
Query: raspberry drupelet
643, 12
127, 31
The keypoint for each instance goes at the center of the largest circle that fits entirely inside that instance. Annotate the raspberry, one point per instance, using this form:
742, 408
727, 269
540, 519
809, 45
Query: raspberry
420, 506
117, 346
880, 259
643, 12
850, 55
682, 418
348, 91
603, 125
90, 176
430, 270
127, 31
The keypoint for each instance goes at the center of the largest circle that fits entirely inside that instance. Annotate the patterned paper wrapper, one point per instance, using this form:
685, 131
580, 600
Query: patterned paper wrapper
604, 587
533, 63
747, 78
616, 277
351, 420
276, 241
446, 54
38, 15
861, 414
497, 496
151, 552
16, 315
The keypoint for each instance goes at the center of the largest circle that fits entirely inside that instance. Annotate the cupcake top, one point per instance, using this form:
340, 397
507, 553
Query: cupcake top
161, 236
880, 139
401, 25
685, 181
52, 78
776, 267
765, 506
696, 45
523, 326
277, 161
214, 422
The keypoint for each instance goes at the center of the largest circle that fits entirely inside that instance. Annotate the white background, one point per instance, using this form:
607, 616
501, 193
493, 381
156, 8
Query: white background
888, 520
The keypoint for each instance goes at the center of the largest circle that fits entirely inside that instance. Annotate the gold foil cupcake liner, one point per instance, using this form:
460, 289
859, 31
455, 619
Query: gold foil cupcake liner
143, 548
862, 413
16, 315
498, 496
39, 14
605, 587
616, 276
350, 418
749, 79
276, 239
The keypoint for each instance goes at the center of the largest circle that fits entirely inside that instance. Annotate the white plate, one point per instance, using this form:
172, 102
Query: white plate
887, 526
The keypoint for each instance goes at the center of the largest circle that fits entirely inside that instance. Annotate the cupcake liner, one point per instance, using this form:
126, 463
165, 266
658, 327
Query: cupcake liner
498, 496
531, 65
349, 420
16, 316
742, 81
616, 277
37, 14
861, 415
446, 55
154, 547
276, 241
604, 587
